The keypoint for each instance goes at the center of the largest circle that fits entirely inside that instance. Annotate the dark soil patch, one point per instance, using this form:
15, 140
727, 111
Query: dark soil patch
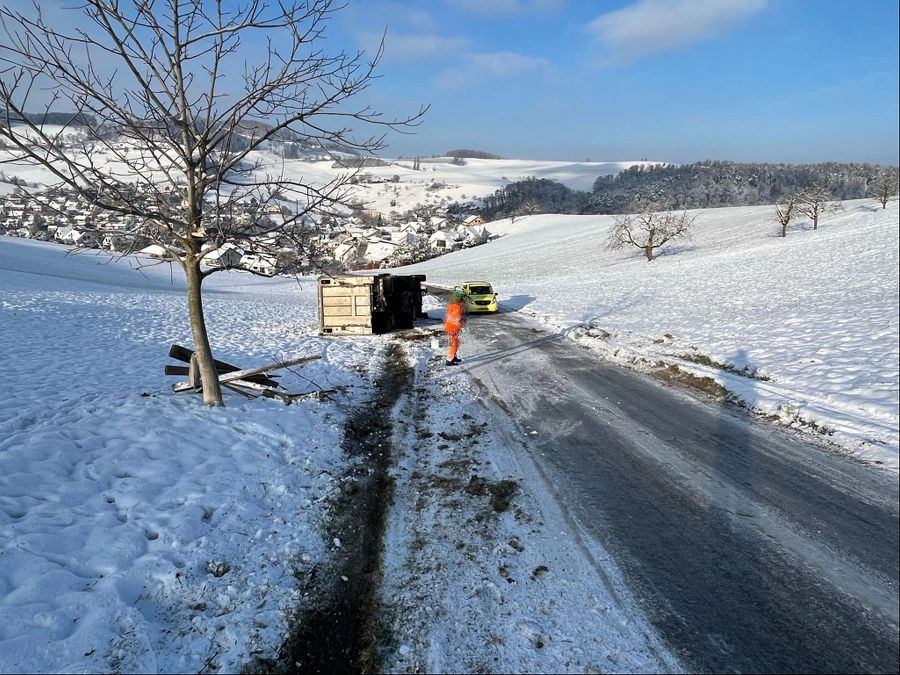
447, 484
705, 385
704, 360
474, 430
458, 464
416, 335
339, 633
501, 491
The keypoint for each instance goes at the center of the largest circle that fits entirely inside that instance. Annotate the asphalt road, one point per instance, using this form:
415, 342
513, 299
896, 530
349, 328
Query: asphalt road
750, 548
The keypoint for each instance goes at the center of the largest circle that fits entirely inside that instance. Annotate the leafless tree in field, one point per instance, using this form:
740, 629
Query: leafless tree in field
886, 187
649, 230
176, 98
814, 202
785, 212
529, 207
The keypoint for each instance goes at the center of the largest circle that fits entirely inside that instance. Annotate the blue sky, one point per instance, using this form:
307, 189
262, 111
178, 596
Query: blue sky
670, 80
673, 80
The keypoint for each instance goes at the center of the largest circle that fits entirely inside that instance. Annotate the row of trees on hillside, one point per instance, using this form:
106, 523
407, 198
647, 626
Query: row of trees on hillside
812, 203
816, 201
692, 186
534, 195
711, 184
650, 228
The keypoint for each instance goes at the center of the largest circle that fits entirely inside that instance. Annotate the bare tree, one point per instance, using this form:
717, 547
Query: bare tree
814, 202
528, 207
886, 187
187, 94
785, 212
649, 230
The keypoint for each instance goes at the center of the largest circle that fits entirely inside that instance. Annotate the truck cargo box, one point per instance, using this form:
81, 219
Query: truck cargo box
367, 305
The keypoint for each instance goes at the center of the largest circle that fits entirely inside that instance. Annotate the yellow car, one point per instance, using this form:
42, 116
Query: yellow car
481, 297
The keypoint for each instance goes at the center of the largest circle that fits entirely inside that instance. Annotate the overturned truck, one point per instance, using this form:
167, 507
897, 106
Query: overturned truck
351, 305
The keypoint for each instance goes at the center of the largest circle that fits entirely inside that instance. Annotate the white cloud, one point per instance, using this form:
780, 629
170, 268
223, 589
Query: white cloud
488, 6
409, 46
494, 65
507, 6
417, 19
649, 27
375, 14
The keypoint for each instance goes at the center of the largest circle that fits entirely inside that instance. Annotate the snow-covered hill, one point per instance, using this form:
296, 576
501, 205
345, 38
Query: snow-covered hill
115, 494
438, 180
815, 313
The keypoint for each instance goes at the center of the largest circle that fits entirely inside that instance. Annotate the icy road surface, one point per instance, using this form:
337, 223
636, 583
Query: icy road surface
749, 548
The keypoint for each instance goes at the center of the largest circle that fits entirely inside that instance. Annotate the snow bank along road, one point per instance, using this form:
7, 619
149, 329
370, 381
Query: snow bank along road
749, 548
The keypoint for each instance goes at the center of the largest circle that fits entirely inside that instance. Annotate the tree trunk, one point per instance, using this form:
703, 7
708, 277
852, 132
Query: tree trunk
816, 222
784, 229
648, 251
212, 392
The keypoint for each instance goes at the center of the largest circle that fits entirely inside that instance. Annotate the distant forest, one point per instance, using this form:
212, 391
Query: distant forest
472, 154
60, 118
707, 184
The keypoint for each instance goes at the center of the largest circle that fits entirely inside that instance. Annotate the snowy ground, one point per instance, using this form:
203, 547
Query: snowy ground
120, 501
815, 313
116, 495
484, 572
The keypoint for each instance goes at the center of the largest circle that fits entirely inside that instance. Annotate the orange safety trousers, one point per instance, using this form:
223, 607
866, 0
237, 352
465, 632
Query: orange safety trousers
453, 324
454, 346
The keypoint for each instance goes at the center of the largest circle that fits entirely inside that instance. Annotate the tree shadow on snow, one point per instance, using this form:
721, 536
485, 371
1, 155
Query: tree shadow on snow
674, 250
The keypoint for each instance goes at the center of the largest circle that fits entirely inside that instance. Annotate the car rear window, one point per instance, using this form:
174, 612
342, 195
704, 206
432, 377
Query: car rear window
480, 290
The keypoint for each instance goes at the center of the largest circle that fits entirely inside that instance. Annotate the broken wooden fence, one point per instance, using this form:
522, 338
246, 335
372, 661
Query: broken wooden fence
248, 382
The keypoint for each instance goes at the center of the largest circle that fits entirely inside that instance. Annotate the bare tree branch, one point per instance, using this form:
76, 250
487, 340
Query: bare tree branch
886, 187
649, 230
174, 102
785, 212
814, 202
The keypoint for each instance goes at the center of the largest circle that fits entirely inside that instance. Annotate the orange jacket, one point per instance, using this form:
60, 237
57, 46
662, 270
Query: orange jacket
453, 319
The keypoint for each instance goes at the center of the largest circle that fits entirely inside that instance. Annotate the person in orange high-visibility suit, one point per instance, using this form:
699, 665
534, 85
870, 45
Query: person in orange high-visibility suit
454, 320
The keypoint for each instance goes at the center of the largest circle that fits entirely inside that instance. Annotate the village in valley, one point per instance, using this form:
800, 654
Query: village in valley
356, 238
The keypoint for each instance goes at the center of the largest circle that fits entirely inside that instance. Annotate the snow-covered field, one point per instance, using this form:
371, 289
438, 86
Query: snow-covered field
118, 498
816, 313
437, 181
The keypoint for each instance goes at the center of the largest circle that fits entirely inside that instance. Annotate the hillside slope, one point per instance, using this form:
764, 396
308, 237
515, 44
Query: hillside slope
815, 313
117, 497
